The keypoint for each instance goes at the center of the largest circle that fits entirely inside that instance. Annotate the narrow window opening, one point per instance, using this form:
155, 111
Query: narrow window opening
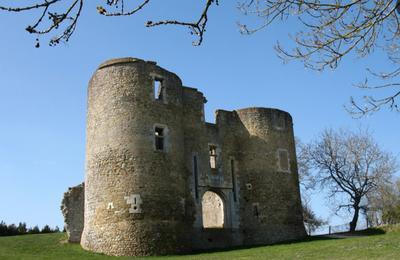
203, 119
283, 158
158, 89
256, 211
196, 190
233, 180
159, 138
213, 156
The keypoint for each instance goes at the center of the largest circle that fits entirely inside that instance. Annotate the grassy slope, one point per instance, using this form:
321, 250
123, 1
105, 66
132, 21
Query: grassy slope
376, 246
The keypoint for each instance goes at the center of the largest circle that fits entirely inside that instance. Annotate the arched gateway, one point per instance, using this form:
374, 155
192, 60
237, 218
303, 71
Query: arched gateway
213, 210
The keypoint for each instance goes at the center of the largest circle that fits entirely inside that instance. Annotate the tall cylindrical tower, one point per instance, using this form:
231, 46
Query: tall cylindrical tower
135, 190
269, 188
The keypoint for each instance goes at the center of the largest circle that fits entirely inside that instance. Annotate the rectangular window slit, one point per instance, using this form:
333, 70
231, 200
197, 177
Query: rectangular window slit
255, 210
159, 138
233, 179
158, 89
283, 160
196, 191
213, 156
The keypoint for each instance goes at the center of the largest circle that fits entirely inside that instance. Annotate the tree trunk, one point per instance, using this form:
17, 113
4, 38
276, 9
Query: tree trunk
353, 222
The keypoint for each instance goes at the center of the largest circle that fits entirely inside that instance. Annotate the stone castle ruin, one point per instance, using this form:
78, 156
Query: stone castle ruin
161, 180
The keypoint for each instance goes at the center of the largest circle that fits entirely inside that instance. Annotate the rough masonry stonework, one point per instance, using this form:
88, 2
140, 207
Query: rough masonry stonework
72, 208
161, 180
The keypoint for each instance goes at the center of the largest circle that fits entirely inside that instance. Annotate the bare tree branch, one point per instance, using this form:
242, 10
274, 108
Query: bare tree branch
63, 16
197, 28
332, 30
67, 18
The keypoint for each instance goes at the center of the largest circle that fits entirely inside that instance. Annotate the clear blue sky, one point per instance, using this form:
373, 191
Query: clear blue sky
43, 92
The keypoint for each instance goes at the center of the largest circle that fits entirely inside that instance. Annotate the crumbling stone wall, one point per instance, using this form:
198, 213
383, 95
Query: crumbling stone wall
72, 208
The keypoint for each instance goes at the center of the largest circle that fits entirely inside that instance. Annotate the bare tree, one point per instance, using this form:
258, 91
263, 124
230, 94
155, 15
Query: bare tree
334, 28
349, 166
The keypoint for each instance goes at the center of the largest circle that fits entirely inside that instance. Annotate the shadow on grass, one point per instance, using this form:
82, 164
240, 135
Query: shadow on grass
358, 233
233, 248
366, 232
371, 231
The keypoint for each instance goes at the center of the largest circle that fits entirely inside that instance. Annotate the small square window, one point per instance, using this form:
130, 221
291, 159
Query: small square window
159, 138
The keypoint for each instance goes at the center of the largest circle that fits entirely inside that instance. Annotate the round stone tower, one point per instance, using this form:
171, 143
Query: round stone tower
135, 187
270, 197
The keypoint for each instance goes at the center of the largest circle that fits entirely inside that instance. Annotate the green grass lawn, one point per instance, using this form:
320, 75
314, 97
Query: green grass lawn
376, 244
